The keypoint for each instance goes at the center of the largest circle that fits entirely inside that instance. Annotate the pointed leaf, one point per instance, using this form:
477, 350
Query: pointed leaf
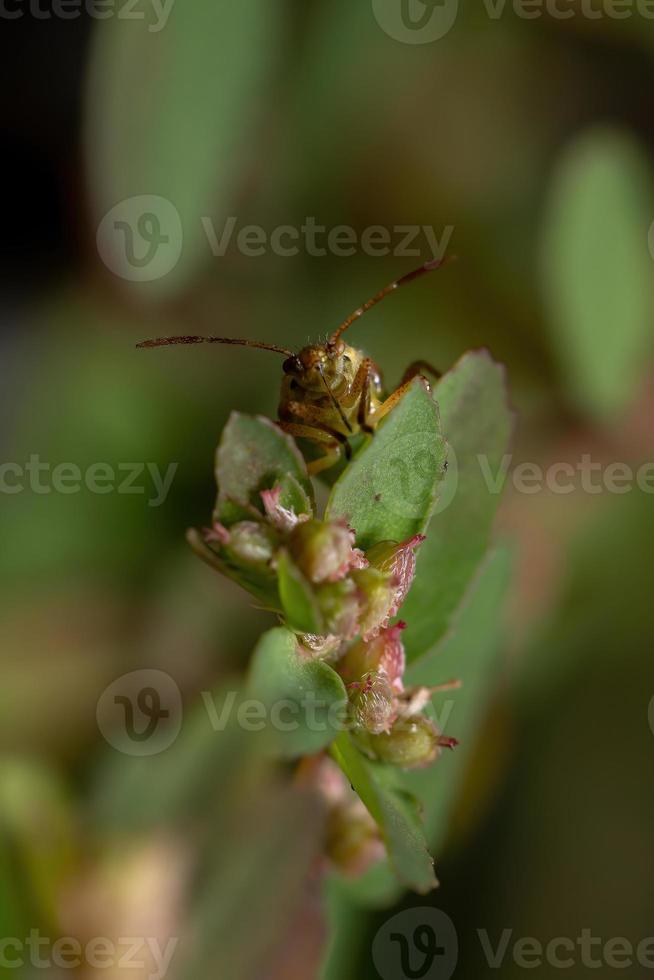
477, 422
394, 810
470, 654
389, 490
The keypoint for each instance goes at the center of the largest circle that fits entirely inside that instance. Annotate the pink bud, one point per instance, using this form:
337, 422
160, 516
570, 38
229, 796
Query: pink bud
216, 534
383, 653
249, 542
398, 561
282, 518
339, 605
372, 703
377, 598
323, 550
411, 743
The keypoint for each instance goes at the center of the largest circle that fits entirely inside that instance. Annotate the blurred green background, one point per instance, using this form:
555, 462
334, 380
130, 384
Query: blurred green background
530, 141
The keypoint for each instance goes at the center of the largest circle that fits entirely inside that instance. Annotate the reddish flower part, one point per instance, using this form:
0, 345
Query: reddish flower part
216, 534
398, 561
323, 550
282, 518
383, 653
372, 703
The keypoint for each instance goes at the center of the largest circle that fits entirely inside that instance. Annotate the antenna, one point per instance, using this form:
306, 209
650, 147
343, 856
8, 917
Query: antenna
170, 341
409, 277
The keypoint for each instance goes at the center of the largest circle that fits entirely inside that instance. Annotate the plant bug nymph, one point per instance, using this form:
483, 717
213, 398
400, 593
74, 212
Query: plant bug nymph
330, 391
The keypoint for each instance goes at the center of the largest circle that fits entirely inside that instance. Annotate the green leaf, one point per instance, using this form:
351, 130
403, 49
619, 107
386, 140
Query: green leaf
170, 105
305, 699
470, 654
389, 490
478, 423
253, 455
298, 601
597, 273
394, 810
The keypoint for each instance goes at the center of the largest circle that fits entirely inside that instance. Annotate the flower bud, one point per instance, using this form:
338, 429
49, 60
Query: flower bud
251, 542
323, 550
282, 518
320, 647
353, 840
411, 743
398, 561
339, 606
377, 598
246, 542
372, 703
383, 653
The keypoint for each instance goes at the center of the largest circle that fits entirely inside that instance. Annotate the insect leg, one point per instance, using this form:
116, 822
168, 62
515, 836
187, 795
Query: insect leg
419, 367
315, 418
333, 443
361, 388
391, 401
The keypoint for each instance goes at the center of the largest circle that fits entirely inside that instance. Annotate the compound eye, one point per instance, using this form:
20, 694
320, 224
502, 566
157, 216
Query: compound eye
291, 365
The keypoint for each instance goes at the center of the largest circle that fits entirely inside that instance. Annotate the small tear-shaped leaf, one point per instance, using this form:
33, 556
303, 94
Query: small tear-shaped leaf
389, 490
305, 699
172, 99
597, 269
395, 811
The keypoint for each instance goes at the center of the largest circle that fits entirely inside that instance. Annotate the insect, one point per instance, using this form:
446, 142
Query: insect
330, 391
